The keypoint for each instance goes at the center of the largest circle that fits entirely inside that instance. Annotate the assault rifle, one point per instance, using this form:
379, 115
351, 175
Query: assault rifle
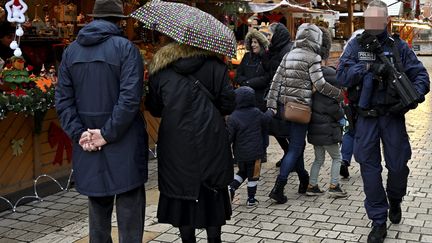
401, 83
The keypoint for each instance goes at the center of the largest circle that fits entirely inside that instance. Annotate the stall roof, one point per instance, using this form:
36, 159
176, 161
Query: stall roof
283, 5
394, 9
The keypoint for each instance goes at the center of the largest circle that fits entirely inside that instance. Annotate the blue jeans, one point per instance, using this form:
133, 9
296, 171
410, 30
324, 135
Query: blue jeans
335, 154
297, 144
347, 147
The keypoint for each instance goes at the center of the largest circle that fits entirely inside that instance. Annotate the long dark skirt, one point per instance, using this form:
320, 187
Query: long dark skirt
211, 209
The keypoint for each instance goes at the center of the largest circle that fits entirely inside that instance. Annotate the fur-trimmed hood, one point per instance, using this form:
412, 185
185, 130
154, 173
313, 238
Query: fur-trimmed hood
262, 40
173, 52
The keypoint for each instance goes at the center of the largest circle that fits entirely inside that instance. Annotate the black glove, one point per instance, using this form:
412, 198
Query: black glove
379, 69
400, 109
370, 43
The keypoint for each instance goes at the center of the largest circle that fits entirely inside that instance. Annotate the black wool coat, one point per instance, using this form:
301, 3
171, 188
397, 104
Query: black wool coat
193, 146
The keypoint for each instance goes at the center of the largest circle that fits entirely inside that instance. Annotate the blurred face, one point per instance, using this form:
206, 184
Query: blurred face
255, 46
375, 19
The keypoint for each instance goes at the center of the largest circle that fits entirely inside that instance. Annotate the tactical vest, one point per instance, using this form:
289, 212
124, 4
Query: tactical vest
380, 83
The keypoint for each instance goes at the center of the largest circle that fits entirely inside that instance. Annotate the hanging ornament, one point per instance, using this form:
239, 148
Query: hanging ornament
16, 145
15, 14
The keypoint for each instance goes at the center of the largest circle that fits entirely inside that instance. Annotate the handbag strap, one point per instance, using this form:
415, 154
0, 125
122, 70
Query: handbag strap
201, 87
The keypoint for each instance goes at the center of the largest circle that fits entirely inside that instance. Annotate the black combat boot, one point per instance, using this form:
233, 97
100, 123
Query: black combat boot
304, 182
378, 234
344, 172
395, 211
277, 193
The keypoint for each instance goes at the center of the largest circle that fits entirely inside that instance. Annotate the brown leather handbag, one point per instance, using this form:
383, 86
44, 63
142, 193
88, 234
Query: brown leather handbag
297, 112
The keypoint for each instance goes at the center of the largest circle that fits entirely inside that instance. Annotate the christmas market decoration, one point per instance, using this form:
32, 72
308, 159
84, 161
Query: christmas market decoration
56, 136
24, 93
16, 145
15, 14
187, 25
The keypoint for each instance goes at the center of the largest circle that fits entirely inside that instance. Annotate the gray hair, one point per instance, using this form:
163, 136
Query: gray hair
379, 4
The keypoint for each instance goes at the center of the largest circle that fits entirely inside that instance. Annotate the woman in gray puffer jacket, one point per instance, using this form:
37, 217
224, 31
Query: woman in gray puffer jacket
297, 76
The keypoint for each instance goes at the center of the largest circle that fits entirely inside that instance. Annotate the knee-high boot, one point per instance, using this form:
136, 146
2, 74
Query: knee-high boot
277, 193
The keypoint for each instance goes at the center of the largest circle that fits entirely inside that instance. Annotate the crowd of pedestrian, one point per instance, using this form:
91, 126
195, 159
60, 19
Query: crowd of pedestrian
207, 126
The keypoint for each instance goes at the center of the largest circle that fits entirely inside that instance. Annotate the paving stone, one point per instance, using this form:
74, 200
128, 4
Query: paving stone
14, 233
306, 231
249, 239
286, 228
289, 237
344, 228
246, 223
30, 236
322, 225
268, 234
266, 225
409, 236
167, 237
8, 222
309, 239
6, 240
328, 234
247, 231
348, 237
228, 237
230, 228
303, 222
426, 238
317, 217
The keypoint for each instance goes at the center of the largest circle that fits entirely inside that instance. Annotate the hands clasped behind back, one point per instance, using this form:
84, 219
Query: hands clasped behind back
92, 140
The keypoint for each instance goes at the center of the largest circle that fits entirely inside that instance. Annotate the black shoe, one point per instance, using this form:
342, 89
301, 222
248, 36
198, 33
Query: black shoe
251, 202
277, 193
313, 190
344, 172
304, 182
395, 211
378, 234
278, 164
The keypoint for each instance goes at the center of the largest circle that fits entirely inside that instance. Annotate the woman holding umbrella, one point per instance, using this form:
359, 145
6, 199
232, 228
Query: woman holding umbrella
189, 90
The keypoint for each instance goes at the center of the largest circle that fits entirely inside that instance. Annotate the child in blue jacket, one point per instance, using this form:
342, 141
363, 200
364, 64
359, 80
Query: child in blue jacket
247, 127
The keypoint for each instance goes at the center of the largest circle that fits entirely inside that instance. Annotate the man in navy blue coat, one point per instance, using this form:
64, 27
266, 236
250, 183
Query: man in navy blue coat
98, 102
384, 120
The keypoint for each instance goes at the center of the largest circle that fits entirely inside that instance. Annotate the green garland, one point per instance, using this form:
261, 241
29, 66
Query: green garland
36, 101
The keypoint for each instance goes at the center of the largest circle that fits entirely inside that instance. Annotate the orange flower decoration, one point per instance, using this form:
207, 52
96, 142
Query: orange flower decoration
43, 83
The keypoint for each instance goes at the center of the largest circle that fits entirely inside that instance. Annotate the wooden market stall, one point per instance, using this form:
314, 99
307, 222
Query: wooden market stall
31, 140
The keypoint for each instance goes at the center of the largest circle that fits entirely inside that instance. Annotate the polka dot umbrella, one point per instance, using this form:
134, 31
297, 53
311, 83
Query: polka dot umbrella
187, 25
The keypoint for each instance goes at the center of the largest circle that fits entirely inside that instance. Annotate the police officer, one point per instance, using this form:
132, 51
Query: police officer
383, 115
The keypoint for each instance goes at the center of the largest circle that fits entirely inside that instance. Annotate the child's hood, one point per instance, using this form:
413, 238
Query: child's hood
245, 97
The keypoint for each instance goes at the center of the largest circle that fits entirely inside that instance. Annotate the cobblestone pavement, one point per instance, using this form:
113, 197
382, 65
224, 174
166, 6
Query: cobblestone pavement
63, 217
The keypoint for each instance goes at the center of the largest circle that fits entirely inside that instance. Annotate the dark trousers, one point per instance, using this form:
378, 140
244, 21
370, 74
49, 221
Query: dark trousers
391, 131
130, 208
187, 234
249, 169
347, 147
